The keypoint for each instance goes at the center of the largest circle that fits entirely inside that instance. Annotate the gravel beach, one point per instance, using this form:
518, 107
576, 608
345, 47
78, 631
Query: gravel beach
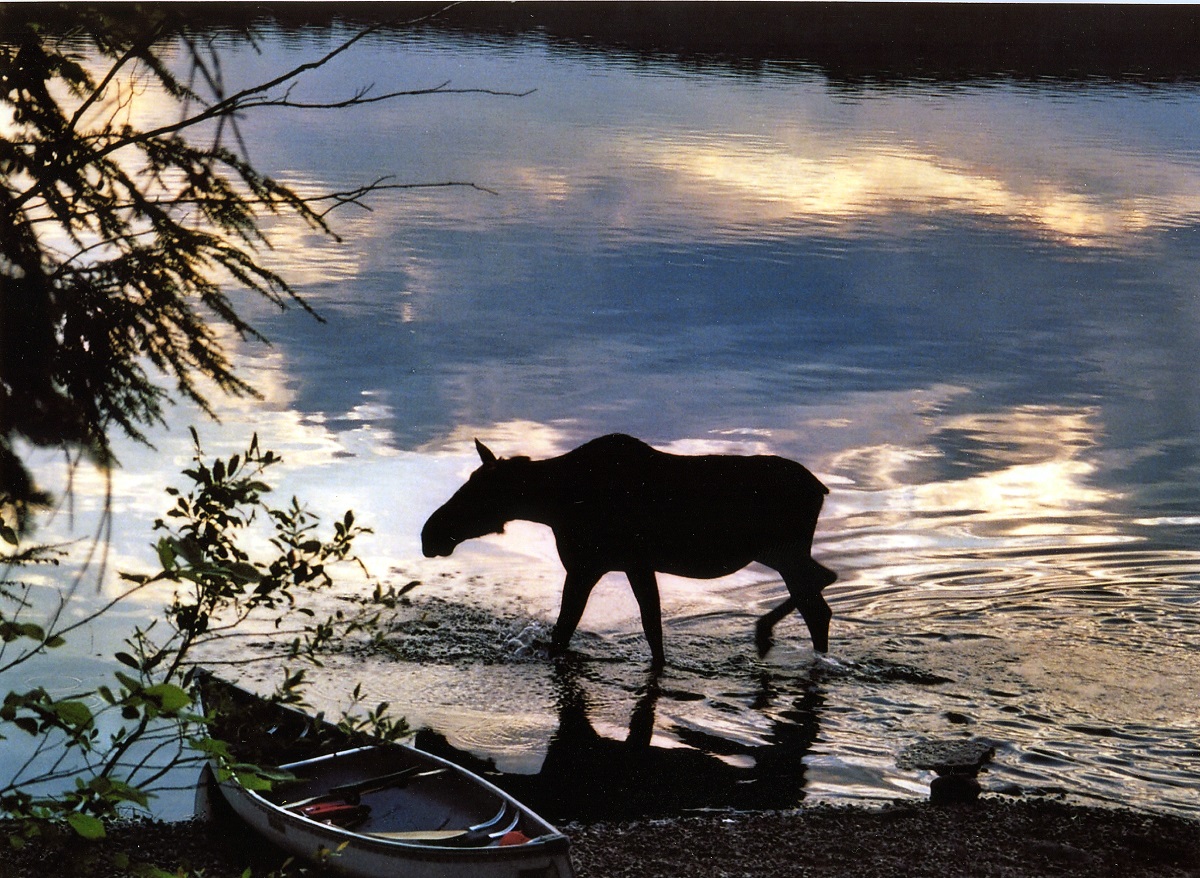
990, 837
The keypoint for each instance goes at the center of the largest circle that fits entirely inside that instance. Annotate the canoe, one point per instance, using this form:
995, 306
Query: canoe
377, 809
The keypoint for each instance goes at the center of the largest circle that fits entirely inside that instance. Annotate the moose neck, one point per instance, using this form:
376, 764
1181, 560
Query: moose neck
537, 492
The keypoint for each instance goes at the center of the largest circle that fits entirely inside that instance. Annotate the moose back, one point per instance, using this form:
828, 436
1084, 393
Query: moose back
616, 504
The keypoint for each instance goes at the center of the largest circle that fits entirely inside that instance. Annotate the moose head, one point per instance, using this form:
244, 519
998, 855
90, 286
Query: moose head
482, 506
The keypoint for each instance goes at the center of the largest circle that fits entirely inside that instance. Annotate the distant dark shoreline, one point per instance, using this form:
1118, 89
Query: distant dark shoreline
851, 43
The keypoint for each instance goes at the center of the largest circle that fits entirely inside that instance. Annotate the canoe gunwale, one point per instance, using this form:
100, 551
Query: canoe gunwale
546, 841
550, 843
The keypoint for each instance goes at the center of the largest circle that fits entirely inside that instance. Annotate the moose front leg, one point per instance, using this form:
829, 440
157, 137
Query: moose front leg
577, 588
645, 589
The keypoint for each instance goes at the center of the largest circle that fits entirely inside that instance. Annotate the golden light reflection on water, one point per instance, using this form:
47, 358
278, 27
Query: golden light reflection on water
1027, 472
505, 438
758, 187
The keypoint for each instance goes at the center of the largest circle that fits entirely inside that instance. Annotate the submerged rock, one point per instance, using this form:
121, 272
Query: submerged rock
947, 757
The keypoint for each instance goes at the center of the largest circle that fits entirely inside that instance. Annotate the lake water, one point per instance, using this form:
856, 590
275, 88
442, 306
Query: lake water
971, 307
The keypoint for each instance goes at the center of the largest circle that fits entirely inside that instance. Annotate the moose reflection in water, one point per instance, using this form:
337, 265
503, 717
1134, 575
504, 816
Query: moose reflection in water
591, 776
616, 504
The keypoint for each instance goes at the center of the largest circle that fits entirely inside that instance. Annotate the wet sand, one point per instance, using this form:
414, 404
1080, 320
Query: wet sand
991, 837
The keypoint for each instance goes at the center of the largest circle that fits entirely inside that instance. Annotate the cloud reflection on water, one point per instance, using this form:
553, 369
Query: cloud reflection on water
752, 189
664, 231
1030, 483
620, 156
590, 295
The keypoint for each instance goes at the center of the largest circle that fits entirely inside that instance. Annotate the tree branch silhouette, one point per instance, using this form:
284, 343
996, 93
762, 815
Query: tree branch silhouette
124, 240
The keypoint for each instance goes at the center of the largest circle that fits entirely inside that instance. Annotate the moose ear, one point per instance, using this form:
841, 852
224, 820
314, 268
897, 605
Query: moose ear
485, 453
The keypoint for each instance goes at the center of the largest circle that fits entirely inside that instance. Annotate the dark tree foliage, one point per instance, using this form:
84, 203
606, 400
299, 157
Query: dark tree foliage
120, 237
123, 233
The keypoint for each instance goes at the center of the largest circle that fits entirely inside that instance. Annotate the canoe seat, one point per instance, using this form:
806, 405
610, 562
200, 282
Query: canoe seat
423, 836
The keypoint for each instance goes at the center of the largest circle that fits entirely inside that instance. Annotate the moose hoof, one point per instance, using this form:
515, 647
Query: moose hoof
820, 639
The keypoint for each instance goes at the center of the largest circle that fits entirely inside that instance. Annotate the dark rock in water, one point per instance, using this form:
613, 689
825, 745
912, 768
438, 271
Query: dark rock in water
947, 757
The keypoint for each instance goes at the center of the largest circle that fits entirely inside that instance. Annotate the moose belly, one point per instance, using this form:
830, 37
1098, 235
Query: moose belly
694, 553
700, 568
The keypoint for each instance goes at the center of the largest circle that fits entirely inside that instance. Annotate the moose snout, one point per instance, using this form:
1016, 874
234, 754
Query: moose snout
436, 545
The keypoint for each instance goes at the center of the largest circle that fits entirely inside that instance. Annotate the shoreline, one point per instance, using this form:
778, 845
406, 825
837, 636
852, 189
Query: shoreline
992, 837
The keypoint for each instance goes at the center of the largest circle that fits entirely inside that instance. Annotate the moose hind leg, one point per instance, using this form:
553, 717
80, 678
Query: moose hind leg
764, 628
816, 615
804, 580
805, 586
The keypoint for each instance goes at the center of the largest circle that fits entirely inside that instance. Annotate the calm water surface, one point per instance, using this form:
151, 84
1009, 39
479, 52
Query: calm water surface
972, 309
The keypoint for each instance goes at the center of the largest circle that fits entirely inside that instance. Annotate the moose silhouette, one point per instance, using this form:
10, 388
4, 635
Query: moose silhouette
617, 504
